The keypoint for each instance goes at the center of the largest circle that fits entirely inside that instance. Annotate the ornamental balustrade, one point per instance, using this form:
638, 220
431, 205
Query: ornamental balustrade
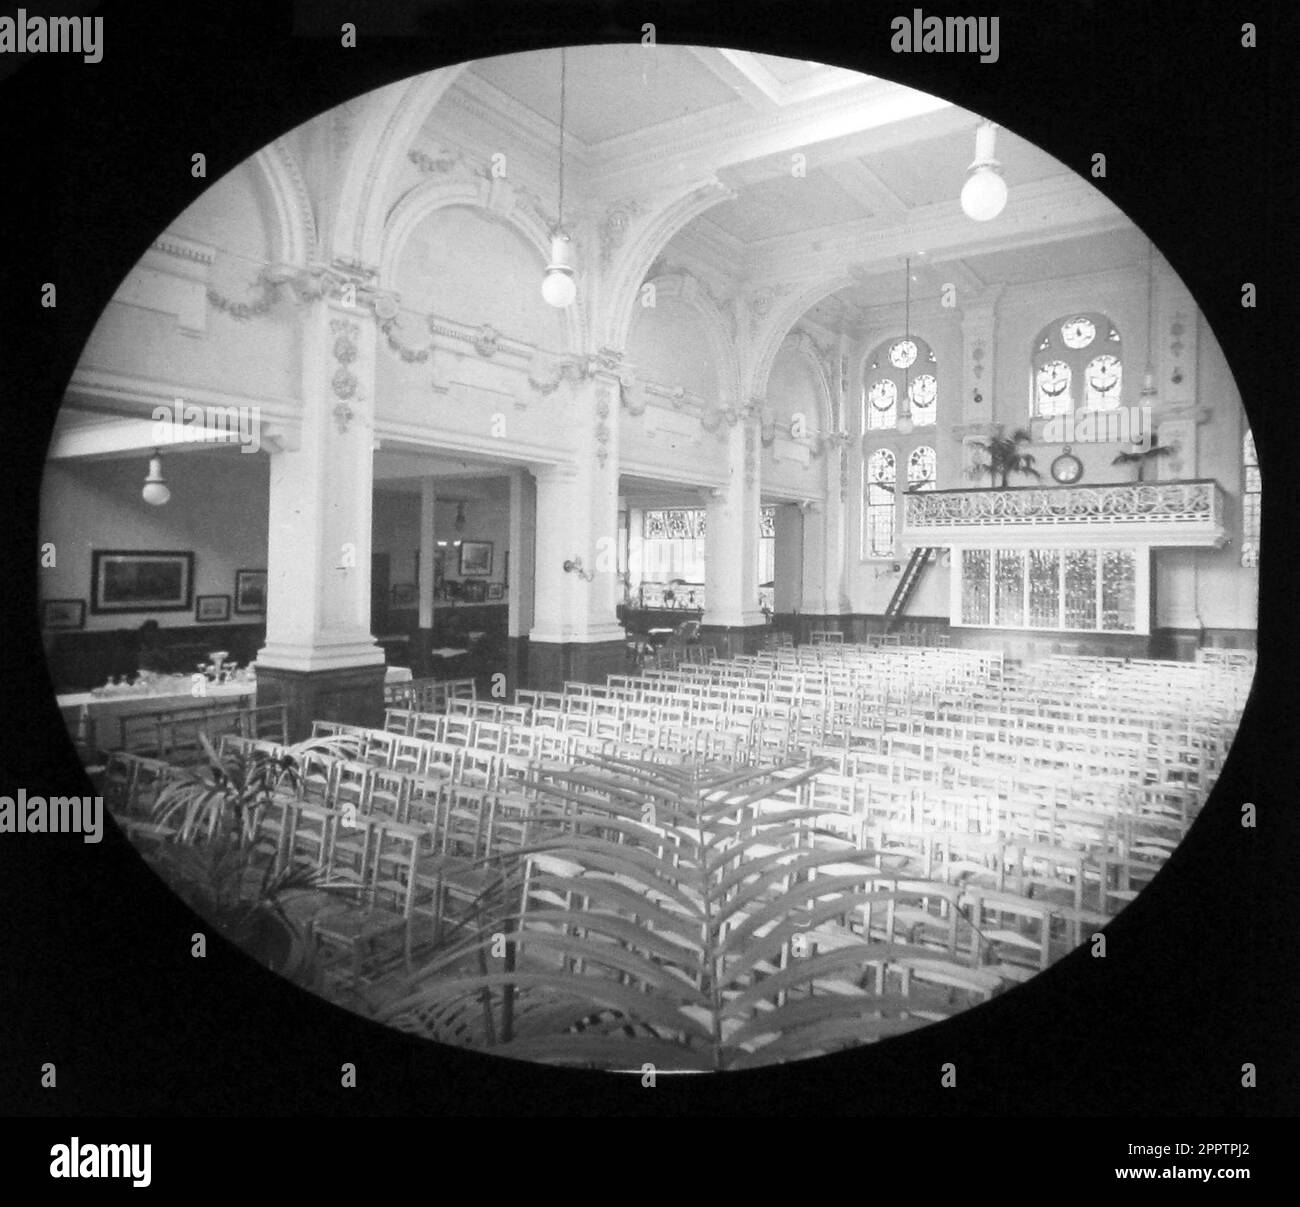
1163, 513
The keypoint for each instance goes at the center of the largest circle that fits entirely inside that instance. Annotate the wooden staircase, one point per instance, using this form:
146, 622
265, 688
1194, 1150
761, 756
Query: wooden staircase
920, 558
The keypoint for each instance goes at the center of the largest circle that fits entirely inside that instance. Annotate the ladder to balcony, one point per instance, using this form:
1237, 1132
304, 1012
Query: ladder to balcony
907, 585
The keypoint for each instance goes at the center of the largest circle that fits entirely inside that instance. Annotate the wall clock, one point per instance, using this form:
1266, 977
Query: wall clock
1067, 468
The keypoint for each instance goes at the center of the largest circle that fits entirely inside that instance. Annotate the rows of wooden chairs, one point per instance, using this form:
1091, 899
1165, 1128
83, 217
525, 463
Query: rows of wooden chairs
173, 734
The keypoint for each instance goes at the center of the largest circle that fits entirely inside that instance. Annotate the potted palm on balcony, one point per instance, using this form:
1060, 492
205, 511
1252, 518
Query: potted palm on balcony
1142, 457
1004, 458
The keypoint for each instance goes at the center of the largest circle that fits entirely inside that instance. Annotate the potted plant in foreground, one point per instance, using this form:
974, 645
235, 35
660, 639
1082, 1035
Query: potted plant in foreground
213, 860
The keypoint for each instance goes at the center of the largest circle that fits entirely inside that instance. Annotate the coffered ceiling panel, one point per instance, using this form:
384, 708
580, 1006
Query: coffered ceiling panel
611, 90
785, 204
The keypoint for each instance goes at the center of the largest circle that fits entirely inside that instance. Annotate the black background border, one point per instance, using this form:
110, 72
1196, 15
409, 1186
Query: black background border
95, 971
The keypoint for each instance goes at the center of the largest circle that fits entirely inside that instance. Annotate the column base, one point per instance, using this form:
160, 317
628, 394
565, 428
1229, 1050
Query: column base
730, 640
550, 664
353, 695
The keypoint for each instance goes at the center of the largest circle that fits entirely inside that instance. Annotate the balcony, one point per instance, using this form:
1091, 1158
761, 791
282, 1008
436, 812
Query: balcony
1183, 513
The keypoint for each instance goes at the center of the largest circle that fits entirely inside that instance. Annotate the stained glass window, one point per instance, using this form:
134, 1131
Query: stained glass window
1093, 590
975, 586
1078, 332
903, 354
1071, 369
1053, 396
1081, 589
900, 373
1044, 588
1250, 500
923, 393
920, 468
1102, 383
878, 525
1009, 587
882, 405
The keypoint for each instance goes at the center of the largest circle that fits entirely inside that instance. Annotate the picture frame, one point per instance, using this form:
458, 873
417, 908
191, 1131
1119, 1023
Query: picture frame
250, 592
474, 590
141, 580
475, 559
496, 591
59, 615
212, 609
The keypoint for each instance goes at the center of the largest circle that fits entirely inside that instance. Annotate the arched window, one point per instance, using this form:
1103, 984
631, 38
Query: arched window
900, 381
1078, 364
881, 473
920, 468
1249, 502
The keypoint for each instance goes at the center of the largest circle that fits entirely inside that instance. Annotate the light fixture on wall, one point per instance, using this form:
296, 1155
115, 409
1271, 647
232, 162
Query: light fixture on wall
574, 566
904, 424
558, 286
155, 489
984, 194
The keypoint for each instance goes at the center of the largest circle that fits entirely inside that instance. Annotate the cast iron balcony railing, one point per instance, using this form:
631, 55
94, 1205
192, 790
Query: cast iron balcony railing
1146, 513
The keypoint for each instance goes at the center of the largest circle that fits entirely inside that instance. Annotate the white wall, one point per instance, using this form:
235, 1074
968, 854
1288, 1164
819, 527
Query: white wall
218, 510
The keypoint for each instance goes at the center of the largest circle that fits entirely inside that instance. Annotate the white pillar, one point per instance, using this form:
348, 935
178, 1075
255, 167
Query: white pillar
428, 549
731, 562
523, 525
320, 658
575, 631
321, 504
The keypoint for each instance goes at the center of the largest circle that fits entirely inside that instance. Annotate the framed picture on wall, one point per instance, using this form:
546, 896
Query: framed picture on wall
475, 559
212, 608
496, 591
141, 581
250, 591
474, 591
63, 614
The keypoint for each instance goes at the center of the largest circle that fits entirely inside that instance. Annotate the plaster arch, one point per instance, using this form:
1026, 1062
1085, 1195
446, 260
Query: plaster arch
780, 322
387, 130
621, 283
688, 290
495, 198
295, 221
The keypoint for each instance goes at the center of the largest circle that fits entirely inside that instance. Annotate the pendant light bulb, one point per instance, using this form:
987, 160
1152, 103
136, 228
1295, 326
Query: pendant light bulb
984, 194
558, 286
155, 489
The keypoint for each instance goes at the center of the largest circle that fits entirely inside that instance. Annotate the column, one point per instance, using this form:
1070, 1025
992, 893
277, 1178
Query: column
575, 632
834, 535
789, 563
978, 332
428, 553
320, 657
519, 588
733, 620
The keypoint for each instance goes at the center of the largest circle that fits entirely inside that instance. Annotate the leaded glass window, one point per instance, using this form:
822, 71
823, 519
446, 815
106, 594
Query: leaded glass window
1089, 590
1077, 364
1044, 567
878, 525
1118, 591
1080, 588
1102, 380
920, 468
882, 405
975, 586
900, 380
1250, 501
